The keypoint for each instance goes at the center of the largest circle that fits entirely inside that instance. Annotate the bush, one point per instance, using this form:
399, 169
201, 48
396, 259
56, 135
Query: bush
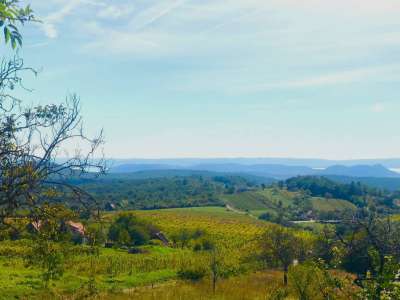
267, 216
204, 244
185, 237
193, 273
127, 230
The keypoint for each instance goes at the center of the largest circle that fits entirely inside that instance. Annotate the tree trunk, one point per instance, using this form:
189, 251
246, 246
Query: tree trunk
214, 282
285, 276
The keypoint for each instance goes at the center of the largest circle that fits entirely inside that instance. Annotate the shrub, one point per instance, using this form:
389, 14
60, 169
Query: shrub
193, 273
204, 244
128, 230
185, 237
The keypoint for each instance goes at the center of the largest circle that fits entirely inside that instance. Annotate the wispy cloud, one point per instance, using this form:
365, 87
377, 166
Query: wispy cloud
136, 36
122, 41
241, 34
115, 11
154, 13
241, 82
334, 78
50, 22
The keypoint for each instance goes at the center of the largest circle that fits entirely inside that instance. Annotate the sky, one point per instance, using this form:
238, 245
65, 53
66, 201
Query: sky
224, 78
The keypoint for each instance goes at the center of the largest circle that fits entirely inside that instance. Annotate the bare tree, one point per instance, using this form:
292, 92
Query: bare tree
40, 148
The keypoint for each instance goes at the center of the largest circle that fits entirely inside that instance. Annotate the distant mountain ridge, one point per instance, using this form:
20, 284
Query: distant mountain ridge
129, 168
277, 171
307, 162
360, 171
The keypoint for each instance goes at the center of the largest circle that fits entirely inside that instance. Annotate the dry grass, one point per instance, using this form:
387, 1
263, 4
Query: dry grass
262, 285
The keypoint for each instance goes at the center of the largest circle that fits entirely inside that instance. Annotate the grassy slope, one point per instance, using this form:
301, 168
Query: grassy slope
261, 201
258, 202
328, 205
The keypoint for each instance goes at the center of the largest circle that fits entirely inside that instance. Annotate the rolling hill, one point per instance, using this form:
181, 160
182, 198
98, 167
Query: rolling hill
274, 201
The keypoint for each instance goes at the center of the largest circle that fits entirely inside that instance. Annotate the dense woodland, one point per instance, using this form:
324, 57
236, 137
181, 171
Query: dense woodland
355, 192
164, 192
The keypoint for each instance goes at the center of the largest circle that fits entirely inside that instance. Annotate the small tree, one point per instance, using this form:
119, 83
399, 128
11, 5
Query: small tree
216, 265
281, 246
128, 230
224, 261
312, 280
50, 241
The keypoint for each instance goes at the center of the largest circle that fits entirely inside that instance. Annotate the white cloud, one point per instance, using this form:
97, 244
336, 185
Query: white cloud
378, 107
50, 30
115, 12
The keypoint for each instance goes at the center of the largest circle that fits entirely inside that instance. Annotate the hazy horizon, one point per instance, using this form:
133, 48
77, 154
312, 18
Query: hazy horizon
252, 157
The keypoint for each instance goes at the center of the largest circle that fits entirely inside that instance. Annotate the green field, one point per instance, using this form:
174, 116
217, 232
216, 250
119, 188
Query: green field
260, 201
328, 205
268, 200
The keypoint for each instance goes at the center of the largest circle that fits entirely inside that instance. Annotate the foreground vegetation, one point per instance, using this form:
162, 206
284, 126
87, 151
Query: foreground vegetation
211, 253
114, 270
206, 243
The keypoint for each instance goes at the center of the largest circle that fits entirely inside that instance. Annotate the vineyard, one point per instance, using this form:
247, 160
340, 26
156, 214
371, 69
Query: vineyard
216, 221
116, 270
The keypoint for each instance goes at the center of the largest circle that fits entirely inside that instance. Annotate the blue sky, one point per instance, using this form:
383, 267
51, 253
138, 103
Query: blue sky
232, 78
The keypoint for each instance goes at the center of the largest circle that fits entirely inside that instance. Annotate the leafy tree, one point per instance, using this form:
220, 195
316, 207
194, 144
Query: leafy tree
281, 246
328, 248
372, 245
312, 280
183, 237
50, 247
217, 266
127, 230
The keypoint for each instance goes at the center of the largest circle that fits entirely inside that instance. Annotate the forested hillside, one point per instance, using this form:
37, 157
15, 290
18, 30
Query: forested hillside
296, 199
164, 192
357, 193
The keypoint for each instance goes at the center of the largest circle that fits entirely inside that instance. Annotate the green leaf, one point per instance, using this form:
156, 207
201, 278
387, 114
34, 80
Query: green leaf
13, 42
13, 27
19, 40
7, 34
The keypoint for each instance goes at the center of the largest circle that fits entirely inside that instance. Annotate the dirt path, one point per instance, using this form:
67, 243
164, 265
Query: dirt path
235, 210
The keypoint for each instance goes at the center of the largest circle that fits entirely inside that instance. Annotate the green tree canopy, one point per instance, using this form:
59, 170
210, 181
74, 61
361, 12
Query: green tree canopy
13, 14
